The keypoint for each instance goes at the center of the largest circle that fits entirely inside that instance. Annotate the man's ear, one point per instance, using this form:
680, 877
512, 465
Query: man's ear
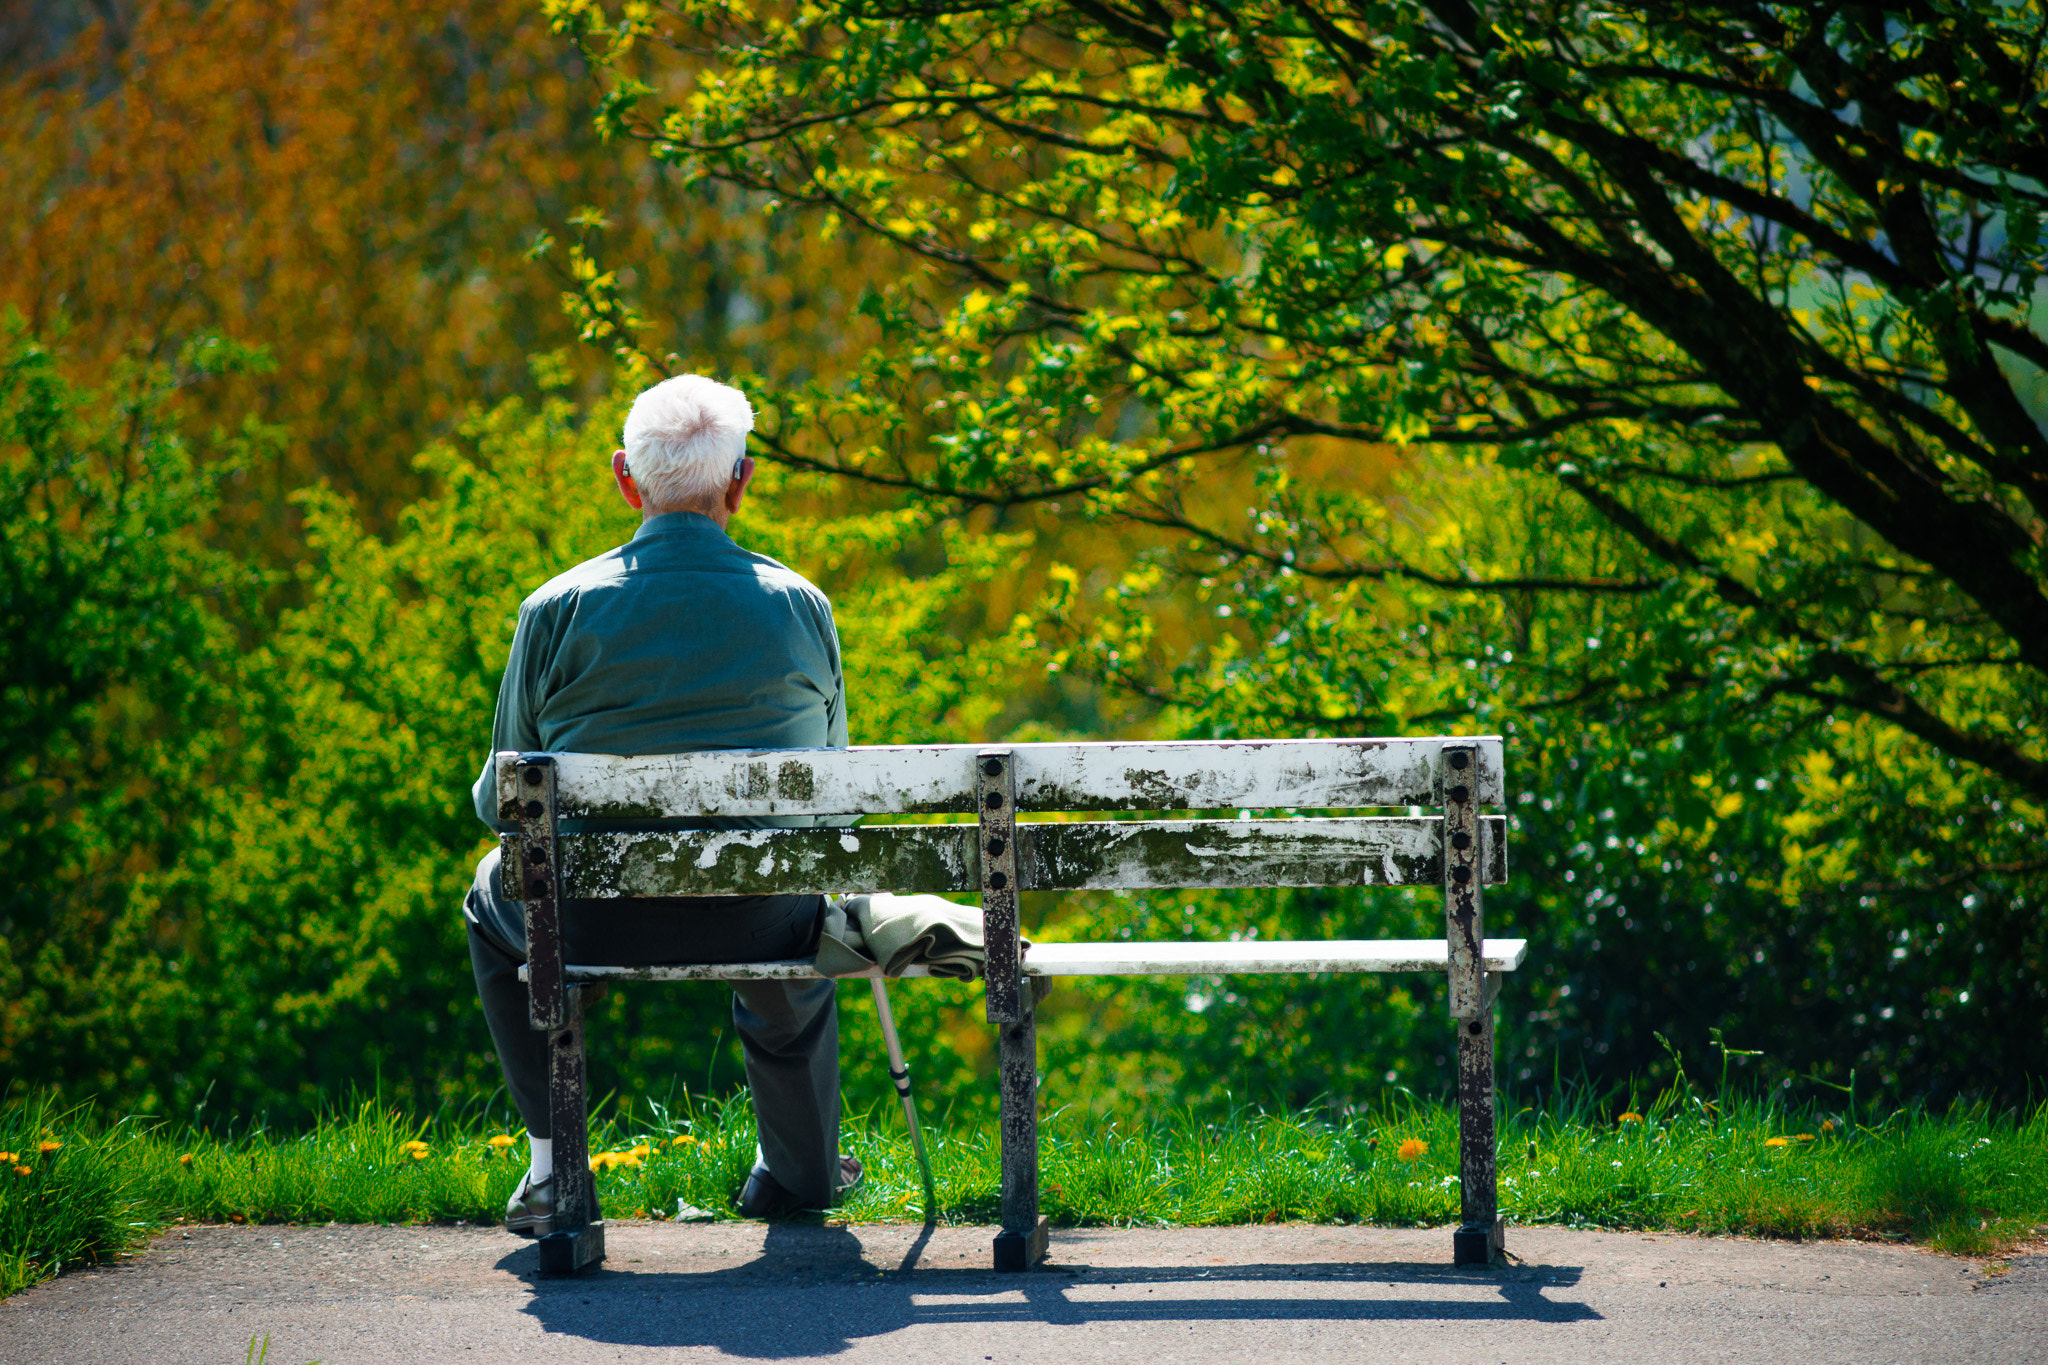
737, 489
628, 490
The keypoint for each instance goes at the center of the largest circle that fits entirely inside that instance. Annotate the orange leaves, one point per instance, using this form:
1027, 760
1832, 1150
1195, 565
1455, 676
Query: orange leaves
352, 186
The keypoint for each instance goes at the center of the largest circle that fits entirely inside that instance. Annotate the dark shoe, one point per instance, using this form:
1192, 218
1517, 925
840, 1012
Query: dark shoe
763, 1196
531, 1210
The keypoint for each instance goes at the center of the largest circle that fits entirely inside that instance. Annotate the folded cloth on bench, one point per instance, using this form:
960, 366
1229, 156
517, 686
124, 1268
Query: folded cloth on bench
898, 932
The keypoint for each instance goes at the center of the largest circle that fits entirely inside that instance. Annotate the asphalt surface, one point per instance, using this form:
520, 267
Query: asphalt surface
896, 1294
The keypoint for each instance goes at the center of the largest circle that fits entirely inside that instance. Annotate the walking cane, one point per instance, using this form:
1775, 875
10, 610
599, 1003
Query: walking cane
900, 1074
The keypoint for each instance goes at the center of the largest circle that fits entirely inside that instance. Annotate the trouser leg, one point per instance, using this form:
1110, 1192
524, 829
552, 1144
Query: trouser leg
522, 1052
789, 1031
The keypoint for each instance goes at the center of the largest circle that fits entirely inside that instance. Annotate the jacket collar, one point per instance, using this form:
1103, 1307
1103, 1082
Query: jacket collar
680, 524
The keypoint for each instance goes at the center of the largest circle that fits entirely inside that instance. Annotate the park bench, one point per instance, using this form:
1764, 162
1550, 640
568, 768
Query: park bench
1443, 839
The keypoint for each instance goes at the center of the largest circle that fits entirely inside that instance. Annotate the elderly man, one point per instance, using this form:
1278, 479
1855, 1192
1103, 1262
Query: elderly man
678, 640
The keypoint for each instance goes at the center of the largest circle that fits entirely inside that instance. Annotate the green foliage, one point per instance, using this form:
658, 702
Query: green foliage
317, 894
1748, 295
67, 1192
1965, 1181
1662, 390
112, 722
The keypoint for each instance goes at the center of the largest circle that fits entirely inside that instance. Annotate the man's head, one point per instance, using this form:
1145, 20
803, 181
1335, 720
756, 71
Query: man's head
686, 442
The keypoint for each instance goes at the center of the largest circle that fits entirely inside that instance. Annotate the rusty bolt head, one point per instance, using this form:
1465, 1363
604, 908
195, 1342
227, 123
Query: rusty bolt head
996, 847
1461, 840
538, 887
997, 881
533, 777
534, 810
994, 801
993, 767
1459, 760
1460, 795
1461, 875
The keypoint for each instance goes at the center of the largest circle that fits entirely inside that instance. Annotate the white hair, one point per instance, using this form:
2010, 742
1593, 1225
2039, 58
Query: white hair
682, 439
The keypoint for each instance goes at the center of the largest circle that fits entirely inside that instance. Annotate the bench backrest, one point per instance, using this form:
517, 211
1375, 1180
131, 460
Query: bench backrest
1459, 848
945, 858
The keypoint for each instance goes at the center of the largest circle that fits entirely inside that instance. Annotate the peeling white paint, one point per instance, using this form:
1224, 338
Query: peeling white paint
942, 859
1303, 774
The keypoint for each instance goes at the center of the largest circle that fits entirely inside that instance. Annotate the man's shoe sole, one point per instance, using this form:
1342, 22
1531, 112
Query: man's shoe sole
526, 1223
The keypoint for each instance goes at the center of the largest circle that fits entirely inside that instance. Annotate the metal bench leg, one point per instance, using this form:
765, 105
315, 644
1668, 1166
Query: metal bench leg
1022, 1242
556, 1009
1478, 1238
578, 1239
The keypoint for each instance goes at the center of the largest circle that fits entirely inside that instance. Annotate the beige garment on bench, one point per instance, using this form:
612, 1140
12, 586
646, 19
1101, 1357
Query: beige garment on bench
898, 932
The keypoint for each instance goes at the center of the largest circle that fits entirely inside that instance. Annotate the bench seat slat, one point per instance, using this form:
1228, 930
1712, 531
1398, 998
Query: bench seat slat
1320, 774
1121, 958
1096, 855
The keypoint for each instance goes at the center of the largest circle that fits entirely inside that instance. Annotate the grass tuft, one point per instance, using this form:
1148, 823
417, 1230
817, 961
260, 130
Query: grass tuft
1963, 1181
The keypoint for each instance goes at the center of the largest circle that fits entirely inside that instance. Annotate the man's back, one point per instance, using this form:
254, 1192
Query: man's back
677, 641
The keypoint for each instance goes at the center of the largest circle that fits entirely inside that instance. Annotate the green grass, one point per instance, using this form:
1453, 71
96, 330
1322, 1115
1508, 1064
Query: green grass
1962, 1181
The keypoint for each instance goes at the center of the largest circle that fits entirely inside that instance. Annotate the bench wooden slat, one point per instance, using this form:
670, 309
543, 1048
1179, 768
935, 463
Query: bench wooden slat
1123, 958
1322, 774
1096, 855
1140, 958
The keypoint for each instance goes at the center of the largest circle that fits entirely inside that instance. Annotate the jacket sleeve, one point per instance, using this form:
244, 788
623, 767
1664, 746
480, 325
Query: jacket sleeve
836, 737
514, 726
835, 712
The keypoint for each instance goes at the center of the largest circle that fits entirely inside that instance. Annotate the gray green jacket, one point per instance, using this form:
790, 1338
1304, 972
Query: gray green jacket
678, 640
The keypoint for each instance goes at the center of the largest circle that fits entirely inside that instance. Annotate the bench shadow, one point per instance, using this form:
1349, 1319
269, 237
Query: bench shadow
842, 1296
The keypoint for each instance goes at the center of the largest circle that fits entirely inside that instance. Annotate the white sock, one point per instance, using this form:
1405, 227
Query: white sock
541, 1164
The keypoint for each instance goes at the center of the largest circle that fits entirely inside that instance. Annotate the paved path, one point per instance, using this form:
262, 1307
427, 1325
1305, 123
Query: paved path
890, 1294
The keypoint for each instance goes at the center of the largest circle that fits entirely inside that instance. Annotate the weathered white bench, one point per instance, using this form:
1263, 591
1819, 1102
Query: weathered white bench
1454, 846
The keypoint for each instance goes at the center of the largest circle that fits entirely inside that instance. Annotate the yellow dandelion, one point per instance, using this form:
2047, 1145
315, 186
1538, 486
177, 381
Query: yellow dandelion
1827, 1125
684, 1141
1804, 1137
1412, 1150
500, 1142
420, 1154
1630, 1117
49, 1147
628, 1159
641, 1149
7, 1158
1777, 1142
185, 1160
21, 1170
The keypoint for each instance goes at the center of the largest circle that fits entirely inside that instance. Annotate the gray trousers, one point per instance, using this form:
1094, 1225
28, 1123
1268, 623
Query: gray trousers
789, 1030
